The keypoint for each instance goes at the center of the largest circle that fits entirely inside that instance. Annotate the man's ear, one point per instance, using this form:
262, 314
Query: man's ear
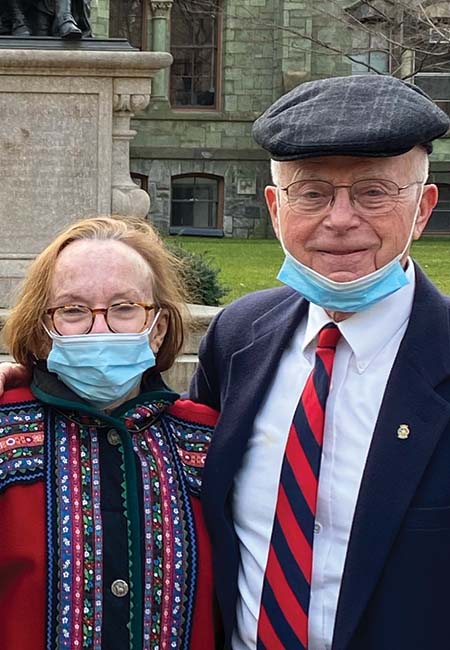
428, 202
270, 193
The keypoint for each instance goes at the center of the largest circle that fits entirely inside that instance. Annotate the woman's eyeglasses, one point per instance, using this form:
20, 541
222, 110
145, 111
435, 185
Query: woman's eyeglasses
122, 317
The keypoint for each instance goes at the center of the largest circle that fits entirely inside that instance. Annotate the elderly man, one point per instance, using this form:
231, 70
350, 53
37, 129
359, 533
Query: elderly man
356, 557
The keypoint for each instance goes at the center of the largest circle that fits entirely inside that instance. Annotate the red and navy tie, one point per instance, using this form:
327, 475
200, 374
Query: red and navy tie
283, 616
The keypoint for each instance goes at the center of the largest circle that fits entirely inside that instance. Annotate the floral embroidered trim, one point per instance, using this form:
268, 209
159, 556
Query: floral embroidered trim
80, 535
21, 443
192, 441
143, 415
168, 546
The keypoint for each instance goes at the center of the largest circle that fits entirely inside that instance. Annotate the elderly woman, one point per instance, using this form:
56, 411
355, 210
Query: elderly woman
102, 542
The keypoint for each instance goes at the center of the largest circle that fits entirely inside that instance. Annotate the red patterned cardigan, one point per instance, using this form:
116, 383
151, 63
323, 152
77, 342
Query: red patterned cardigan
102, 541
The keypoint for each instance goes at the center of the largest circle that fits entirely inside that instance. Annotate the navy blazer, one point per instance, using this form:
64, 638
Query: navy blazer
395, 592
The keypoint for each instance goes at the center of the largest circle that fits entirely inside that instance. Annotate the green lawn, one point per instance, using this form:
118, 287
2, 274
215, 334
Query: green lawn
248, 265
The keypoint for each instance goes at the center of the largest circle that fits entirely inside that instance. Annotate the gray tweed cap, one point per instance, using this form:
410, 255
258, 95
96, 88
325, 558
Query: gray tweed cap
363, 115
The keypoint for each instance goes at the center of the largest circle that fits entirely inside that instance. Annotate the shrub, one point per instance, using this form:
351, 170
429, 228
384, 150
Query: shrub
200, 276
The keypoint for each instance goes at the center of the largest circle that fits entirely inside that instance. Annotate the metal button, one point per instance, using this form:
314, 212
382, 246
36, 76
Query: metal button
317, 528
119, 588
113, 437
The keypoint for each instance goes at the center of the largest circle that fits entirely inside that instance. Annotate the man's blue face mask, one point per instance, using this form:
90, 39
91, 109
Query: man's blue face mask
352, 296
101, 368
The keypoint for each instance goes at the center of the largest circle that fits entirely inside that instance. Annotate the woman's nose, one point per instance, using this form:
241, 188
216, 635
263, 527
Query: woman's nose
99, 326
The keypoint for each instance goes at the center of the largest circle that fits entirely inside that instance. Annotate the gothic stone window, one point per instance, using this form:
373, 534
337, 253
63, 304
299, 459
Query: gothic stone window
194, 47
197, 204
128, 19
369, 54
370, 49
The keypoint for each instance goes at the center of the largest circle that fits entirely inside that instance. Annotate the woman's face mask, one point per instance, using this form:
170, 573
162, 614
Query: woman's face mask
102, 368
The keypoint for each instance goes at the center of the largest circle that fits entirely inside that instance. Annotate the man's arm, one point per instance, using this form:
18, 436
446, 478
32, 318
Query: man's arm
13, 375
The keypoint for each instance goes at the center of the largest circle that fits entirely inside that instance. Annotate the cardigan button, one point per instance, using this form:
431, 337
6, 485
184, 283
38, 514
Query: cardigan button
119, 588
113, 437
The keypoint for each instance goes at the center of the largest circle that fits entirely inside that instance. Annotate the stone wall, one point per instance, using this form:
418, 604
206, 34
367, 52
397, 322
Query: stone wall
244, 215
100, 18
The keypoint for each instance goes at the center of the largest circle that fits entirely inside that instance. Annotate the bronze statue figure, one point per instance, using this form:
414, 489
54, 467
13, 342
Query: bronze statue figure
13, 20
63, 18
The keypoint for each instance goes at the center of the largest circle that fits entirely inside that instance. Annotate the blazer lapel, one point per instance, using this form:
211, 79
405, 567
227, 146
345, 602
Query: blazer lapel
251, 371
395, 466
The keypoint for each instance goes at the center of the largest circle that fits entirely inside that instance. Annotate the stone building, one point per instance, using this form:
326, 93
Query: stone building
193, 151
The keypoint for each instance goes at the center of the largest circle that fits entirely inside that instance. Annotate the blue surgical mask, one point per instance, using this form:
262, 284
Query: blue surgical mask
352, 296
101, 368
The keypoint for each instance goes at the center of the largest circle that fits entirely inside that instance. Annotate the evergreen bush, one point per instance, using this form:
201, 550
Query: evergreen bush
200, 276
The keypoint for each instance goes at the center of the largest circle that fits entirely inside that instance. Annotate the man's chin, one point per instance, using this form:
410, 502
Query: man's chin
346, 275
345, 267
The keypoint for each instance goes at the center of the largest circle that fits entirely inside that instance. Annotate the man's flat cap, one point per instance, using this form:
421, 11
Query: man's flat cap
363, 115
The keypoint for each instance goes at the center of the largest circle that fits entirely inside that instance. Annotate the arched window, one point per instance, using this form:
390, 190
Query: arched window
194, 36
128, 19
197, 204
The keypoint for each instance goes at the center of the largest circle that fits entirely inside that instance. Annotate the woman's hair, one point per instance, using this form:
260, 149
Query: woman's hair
24, 333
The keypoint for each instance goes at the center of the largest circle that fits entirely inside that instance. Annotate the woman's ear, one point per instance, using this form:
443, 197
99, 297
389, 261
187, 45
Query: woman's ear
159, 331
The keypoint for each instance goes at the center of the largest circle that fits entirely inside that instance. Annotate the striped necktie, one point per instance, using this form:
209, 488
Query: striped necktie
283, 617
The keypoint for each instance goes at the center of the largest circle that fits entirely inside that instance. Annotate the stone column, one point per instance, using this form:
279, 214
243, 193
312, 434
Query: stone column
160, 10
127, 198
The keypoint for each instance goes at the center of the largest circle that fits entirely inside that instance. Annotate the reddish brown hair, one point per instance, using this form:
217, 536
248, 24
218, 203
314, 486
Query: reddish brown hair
24, 334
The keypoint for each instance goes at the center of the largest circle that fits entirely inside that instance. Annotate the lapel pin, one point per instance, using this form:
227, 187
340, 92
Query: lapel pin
403, 432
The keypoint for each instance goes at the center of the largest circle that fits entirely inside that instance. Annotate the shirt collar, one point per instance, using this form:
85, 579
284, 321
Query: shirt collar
366, 332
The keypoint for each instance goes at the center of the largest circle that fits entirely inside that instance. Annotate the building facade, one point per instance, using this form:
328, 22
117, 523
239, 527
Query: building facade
193, 151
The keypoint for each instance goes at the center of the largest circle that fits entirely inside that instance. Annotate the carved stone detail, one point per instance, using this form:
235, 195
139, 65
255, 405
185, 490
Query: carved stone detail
160, 8
131, 103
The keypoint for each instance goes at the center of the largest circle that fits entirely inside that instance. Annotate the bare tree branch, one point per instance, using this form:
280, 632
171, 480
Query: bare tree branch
393, 27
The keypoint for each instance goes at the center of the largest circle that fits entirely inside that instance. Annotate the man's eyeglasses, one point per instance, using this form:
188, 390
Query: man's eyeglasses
122, 317
370, 197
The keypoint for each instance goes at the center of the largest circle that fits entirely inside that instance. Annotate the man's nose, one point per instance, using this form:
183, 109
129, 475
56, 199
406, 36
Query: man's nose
341, 213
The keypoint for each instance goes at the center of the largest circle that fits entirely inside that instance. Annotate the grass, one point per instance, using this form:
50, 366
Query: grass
249, 265
433, 255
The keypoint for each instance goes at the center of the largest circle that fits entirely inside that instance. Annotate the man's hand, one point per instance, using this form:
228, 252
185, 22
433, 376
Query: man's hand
13, 375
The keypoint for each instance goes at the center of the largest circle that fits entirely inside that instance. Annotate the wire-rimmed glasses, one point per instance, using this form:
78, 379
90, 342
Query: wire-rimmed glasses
370, 197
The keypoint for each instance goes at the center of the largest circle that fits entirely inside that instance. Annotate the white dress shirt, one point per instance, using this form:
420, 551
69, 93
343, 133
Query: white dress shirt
364, 358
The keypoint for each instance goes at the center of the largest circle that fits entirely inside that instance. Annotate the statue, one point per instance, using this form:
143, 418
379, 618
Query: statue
64, 18
13, 20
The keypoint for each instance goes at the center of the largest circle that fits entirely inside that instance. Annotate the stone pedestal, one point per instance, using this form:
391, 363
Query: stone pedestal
64, 144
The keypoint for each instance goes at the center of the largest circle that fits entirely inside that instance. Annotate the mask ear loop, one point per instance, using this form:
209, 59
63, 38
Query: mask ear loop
416, 215
280, 234
150, 329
